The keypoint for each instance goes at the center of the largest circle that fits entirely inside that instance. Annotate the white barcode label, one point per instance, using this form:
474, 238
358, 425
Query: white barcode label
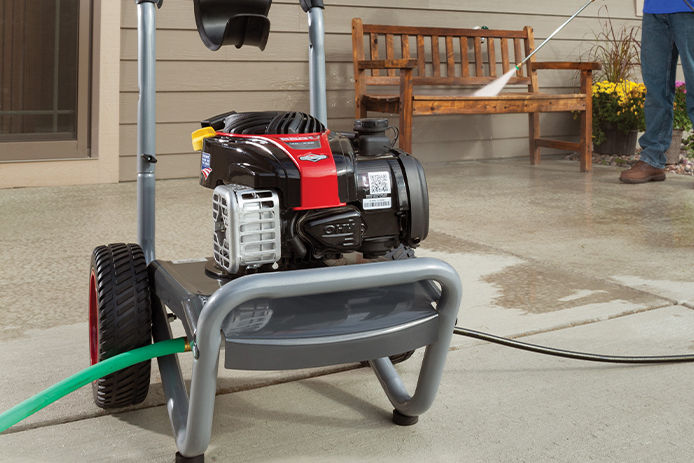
379, 183
376, 203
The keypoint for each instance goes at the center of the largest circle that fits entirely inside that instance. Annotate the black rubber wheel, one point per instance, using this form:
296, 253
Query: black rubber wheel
120, 319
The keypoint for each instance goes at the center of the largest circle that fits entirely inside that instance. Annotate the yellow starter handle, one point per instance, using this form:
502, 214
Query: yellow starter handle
199, 135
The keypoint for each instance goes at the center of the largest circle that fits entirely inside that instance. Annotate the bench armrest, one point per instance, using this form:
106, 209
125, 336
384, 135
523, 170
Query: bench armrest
579, 66
387, 64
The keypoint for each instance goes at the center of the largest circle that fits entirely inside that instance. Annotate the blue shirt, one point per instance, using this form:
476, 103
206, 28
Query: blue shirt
666, 6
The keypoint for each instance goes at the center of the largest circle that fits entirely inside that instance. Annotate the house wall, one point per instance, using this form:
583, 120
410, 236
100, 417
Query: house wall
103, 164
194, 83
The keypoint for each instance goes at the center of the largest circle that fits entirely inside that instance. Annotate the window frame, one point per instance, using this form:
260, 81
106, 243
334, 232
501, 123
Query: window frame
47, 146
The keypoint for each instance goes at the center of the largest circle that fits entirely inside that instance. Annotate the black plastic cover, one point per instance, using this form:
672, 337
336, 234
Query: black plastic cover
156, 2
306, 5
265, 123
238, 22
253, 162
339, 230
371, 136
418, 194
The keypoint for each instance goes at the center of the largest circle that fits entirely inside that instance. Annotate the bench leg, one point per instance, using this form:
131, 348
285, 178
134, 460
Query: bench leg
406, 131
406, 104
360, 112
534, 123
587, 123
586, 150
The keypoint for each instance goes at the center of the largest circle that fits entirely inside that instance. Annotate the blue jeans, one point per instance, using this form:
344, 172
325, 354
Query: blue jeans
665, 37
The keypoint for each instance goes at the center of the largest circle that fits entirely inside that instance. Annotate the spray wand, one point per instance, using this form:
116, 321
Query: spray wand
495, 87
551, 36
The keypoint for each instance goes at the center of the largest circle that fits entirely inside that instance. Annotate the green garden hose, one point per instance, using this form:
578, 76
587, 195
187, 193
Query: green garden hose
33, 404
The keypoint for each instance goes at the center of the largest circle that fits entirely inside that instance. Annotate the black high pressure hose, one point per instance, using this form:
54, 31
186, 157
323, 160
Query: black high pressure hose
572, 354
639, 359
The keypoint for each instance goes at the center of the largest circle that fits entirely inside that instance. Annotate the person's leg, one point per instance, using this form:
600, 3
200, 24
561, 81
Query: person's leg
683, 32
658, 68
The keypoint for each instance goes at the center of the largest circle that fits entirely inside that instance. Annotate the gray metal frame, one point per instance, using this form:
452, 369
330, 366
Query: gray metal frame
192, 418
316, 62
146, 126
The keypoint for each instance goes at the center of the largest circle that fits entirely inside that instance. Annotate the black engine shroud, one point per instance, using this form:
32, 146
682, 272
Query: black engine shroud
339, 192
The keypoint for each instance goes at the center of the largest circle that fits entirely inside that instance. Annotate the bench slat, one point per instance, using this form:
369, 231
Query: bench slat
435, 57
464, 58
462, 105
405, 46
491, 55
502, 97
557, 144
478, 57
524, 96
470, 81
517, 56
450, 57
374, 52
389, 52
505, 65
442, 31
529, 47
420, 55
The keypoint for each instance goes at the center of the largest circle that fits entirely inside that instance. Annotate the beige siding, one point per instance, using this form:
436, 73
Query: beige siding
194, 83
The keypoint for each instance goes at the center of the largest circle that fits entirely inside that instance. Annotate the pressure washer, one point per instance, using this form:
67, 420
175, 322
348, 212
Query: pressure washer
290, 197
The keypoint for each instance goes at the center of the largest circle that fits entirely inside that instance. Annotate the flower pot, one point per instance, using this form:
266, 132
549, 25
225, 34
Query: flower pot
617, 142
672, 155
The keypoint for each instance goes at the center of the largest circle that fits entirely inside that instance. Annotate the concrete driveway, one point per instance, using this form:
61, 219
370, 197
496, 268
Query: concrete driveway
560, 258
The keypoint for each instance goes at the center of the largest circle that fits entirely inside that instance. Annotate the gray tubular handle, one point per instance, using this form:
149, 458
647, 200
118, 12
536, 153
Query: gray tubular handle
193, 436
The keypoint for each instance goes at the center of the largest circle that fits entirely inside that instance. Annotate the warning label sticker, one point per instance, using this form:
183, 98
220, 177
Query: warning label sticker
379, 183
376, 203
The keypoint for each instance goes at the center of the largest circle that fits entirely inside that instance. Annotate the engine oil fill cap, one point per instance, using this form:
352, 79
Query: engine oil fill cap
371, 125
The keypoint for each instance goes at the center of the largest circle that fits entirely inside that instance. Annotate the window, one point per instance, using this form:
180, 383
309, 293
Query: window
44, 79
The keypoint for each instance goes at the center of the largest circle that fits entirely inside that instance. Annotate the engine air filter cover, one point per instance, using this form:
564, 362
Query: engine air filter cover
246, 227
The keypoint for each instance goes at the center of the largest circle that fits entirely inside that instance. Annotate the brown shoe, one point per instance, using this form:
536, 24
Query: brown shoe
642, 172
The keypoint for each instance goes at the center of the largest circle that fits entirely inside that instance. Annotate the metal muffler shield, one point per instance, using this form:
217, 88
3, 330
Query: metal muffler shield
246, 227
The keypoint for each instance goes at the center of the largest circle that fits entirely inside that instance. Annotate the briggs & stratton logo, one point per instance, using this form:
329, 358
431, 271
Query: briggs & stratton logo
313, 157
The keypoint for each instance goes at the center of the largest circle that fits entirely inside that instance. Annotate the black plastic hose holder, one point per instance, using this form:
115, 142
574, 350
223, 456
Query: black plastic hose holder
238, 23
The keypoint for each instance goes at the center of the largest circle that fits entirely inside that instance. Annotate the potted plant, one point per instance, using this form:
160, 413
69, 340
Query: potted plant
617, 116
680, 123
617, 99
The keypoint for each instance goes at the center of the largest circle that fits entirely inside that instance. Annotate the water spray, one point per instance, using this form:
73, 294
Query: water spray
496, 86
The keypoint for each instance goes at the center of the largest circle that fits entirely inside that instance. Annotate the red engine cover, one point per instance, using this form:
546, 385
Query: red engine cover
311, 154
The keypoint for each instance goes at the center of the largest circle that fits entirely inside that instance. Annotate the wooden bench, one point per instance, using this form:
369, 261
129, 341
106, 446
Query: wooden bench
419, 59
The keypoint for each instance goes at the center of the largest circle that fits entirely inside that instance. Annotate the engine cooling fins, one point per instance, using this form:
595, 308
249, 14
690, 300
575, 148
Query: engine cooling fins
265, 123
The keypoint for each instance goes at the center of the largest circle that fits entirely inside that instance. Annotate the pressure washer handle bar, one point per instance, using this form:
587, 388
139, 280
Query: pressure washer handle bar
551, 36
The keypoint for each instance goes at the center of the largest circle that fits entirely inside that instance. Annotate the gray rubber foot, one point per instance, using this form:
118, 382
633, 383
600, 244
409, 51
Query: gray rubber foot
404, 420
197, 459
